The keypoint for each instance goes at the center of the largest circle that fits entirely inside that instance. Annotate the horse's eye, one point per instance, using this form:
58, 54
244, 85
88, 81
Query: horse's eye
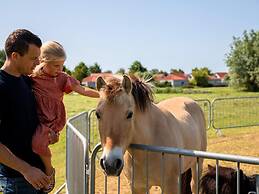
129, 116
97, 115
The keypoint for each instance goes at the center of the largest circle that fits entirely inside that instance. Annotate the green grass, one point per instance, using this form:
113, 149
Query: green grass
75, 104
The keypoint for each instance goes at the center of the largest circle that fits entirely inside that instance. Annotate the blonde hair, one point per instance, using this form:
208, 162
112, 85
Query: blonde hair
50, 51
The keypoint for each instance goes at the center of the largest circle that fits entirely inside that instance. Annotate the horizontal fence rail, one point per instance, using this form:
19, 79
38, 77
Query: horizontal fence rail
180, 153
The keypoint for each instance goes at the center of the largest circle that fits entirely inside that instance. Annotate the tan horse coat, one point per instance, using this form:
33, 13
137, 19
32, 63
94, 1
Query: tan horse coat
177, 122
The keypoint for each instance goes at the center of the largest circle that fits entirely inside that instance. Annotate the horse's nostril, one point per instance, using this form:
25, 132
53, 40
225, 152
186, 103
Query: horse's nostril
102, 164
118, 164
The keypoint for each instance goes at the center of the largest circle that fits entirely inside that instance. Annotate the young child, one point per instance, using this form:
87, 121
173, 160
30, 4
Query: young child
49, 85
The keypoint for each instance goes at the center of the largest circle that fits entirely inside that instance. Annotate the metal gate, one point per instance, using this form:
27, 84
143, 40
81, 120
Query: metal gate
77, 158
235, 112
163, 151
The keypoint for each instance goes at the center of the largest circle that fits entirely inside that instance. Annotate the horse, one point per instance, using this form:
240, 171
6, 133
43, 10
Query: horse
127, 115
227, 181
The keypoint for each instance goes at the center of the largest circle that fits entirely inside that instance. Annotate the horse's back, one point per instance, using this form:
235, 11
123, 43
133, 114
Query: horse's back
178, 105
190, 121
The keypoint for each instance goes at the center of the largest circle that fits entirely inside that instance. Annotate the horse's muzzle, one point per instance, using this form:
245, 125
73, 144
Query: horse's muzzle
112, 169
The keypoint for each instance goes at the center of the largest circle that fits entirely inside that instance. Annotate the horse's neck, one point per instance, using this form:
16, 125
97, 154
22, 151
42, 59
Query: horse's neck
146, 123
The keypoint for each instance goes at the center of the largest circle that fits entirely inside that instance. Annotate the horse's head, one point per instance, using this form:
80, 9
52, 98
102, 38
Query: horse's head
116, 114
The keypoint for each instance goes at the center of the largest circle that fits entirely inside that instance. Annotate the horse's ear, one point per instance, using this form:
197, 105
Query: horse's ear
126, 84
211, 168
100, 83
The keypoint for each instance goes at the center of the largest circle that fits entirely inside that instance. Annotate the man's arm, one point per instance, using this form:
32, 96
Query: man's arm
33, 175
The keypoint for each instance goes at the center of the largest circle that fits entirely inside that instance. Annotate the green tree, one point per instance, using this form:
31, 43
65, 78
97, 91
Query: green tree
81, 71
163, 72
154, 71
176, 71
206, 69
243, 61
65, 69
200, 76
137, 67
95, 68
121, 71
108, 71
2, 57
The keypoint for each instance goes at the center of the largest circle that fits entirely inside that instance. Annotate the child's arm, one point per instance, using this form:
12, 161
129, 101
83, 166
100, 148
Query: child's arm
85, 91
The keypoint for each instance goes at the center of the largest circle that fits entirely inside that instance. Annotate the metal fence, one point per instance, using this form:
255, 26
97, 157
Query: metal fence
163, 151
235, 112
206, 107
83, 135
77, 159
93, 132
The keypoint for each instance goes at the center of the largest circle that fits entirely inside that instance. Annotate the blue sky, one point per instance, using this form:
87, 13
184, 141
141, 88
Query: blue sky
161, 34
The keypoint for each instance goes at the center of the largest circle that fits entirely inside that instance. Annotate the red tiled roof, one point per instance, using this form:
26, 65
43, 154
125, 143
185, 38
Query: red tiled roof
221, 74
93, 76
213, 77
159, 76
172, 77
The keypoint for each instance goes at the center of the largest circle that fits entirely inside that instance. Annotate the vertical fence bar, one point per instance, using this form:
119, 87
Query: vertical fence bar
119, 184
162, 163
217, 177
90, 129
105, 184
197, 174
147, 187
257, 184
132, 172
93, 168
238, 178
180, 174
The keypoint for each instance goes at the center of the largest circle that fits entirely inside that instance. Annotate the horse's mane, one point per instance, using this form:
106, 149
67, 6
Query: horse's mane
141, 91
227, 181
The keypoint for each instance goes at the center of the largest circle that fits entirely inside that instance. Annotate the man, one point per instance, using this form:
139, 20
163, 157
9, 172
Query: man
21, 170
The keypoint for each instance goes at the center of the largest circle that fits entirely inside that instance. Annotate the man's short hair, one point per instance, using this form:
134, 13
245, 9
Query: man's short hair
19, 40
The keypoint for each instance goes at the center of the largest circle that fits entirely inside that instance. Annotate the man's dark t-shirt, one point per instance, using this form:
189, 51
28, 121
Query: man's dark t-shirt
18, 120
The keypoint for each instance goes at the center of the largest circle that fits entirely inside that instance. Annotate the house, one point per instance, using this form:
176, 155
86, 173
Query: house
214, 81
176, 80
222, 76
90, 81
218, 79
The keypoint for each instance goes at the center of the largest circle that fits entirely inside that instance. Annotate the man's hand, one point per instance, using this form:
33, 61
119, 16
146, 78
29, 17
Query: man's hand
53, 137
36, 177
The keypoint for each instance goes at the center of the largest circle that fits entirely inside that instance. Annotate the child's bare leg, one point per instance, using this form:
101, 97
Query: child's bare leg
50, 171
47, 163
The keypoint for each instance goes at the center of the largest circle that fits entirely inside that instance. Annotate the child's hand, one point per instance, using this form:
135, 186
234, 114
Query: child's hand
53, 137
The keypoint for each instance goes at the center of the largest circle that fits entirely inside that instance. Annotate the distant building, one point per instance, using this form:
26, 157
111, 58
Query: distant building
222, 76
90, 81
218, 79
176, 80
